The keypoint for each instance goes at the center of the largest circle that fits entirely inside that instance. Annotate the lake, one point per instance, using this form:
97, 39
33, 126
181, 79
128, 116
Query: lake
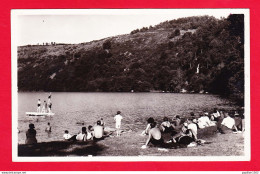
72, 108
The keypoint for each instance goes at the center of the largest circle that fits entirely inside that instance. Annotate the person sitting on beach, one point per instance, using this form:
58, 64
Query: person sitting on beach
118, 119
148, 127
166, 126
155, 136
90, 132
204, 121
215, 115
228, 123
187, 134
98, 131
31, 135
82, 135
66, 135
39, 105
177, 122
48, 128
238, 120
193, 129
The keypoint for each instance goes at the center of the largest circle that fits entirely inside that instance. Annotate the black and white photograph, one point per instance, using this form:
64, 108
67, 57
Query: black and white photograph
130, 85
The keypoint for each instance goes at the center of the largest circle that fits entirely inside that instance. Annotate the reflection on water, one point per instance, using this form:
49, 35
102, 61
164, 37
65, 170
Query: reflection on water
72, 110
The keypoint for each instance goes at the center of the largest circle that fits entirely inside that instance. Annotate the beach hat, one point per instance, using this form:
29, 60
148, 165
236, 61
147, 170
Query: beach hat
31, 125
206, 113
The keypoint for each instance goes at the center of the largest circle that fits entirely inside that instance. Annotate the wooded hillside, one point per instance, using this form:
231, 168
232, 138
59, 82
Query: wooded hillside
194, 54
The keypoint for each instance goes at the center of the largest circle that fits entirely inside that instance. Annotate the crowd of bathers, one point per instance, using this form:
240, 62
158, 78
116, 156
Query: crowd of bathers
184, 131
180, 130
96, 132
46, 107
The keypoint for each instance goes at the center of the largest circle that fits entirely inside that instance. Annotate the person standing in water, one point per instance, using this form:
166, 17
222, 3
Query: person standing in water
49, 104
118, 119
39, 105
48, 128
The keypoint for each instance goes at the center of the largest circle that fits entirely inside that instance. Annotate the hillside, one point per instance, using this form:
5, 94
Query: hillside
195, 54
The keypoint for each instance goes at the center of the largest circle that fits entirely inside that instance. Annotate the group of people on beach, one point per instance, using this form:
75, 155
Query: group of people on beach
185, 132
46, 107
96, 132
180, 131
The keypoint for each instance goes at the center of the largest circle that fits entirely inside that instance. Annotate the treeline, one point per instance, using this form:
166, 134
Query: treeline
171, 58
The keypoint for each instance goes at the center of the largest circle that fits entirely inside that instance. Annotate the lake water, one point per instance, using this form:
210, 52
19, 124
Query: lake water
73, 108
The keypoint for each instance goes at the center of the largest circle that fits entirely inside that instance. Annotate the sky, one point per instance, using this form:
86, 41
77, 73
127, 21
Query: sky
77, 26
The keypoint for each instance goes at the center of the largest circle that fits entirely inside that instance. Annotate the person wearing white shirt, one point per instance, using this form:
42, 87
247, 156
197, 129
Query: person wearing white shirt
118, 119
67, 136
203, 122
193, 129
228, 123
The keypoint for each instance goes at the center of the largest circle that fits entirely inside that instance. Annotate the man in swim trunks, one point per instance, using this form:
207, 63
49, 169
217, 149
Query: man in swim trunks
154, 136
39, 105
49, 103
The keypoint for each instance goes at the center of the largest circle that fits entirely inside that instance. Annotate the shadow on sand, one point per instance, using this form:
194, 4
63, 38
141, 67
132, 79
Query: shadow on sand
60, 148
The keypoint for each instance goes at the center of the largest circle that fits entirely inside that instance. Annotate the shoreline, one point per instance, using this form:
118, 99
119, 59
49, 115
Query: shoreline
217, 145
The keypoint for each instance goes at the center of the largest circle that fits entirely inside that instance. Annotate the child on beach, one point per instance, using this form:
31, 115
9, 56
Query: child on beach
118, 119
66, 135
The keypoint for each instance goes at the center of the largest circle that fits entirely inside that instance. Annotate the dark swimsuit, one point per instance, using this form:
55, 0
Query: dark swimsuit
155, 142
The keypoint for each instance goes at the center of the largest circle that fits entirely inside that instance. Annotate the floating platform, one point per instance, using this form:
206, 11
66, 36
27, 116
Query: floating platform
38, 114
